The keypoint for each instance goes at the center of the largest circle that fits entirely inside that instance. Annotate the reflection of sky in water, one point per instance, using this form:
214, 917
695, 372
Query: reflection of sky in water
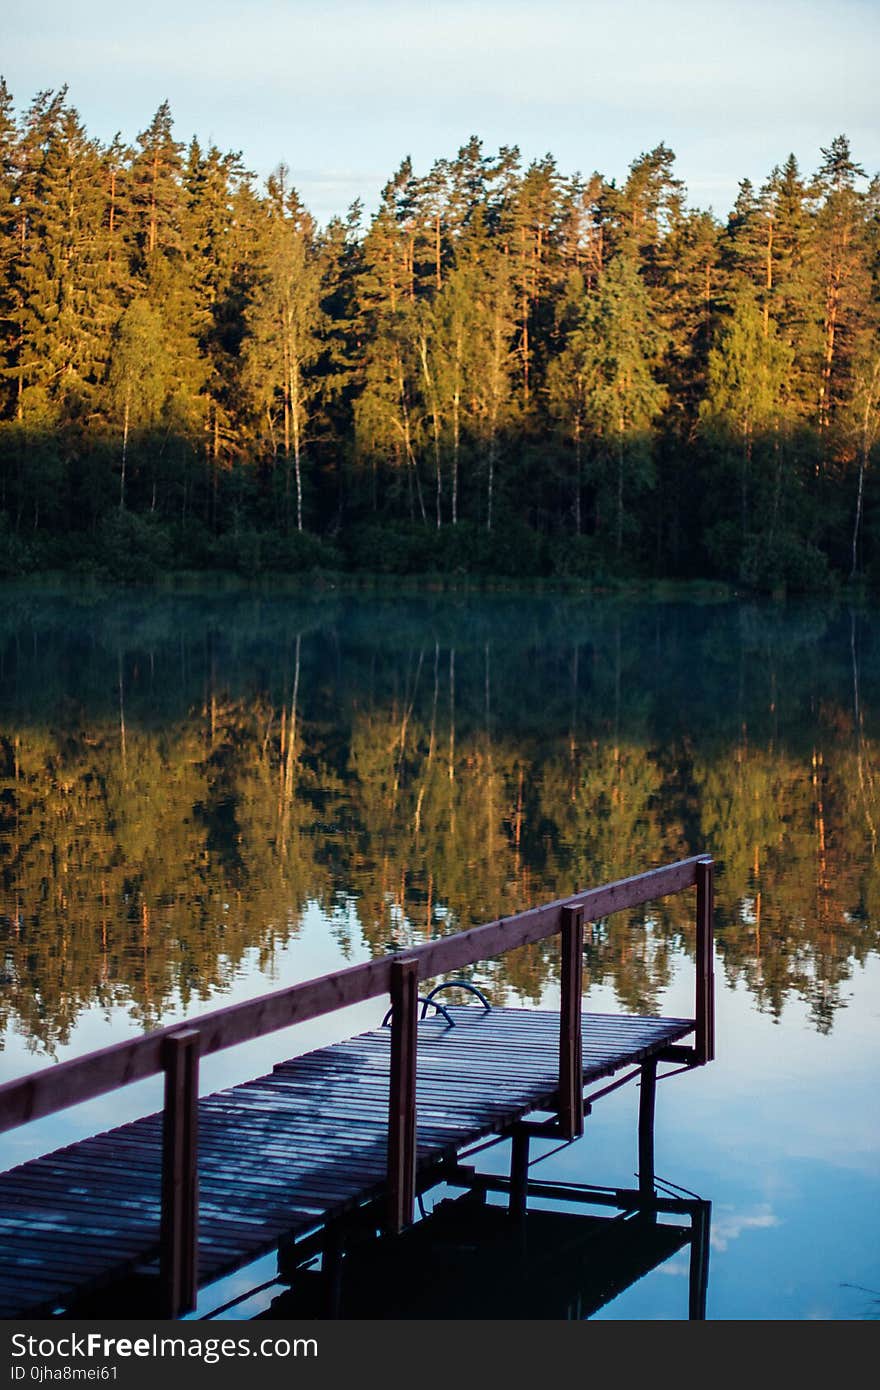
781, 1133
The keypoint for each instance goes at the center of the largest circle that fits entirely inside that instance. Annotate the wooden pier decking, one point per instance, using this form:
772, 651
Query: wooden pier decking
290, 1150
209, 1184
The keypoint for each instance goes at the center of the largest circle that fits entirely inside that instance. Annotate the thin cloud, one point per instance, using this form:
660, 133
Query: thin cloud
730, 1225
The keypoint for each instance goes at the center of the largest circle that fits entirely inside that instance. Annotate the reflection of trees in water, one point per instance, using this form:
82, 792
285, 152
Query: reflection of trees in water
179, 794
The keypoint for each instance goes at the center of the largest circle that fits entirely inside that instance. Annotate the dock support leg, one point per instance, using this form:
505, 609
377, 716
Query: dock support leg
647, 1097
402, 1094
519, 1172
698, 1280
332, 1259
178, 1258
571, 1065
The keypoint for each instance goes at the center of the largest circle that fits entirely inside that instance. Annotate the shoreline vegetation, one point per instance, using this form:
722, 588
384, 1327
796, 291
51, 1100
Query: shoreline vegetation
205, 583
507, 375
92, 586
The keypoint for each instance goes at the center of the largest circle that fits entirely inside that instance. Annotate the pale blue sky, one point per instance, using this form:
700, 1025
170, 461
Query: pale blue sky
341, 91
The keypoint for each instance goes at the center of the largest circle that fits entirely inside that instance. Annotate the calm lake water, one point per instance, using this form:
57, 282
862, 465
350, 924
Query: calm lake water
203, 798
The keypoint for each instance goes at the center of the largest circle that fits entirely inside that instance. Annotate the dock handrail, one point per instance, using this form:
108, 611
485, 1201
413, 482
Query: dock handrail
175, 1050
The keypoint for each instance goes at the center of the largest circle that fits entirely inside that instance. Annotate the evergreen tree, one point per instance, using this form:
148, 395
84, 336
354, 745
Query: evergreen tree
140, 378
619, 344
747, 400
844, 269
500, 342
284, 322
493, 354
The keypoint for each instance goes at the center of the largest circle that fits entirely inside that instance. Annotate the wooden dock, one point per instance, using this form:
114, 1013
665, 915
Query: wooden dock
182, 1197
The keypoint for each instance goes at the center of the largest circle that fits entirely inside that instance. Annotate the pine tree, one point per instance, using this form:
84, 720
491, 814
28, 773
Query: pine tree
284, 331
790, 290
568, 381
844, 268
37, 129
747, 397
140, 379
619, 344
386, 421
649, 203
341, 267
532, 227
451, 352
493, 354
221, 233
165, 270
157, 195
65, 277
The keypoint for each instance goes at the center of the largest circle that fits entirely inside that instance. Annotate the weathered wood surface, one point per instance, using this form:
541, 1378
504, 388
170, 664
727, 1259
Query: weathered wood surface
280, 1155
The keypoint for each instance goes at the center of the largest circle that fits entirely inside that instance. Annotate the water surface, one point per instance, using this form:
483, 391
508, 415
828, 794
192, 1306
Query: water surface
202, 798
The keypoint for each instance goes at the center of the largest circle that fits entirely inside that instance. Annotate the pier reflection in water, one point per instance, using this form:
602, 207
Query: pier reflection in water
571, 1253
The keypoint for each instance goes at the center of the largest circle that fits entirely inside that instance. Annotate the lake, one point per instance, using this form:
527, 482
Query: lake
202, 798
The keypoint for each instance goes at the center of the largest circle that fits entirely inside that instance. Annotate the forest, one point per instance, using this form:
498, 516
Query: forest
506, 370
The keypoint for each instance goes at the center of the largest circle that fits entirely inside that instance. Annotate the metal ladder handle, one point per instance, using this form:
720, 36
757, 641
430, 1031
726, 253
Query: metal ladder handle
450, 1021
458, 984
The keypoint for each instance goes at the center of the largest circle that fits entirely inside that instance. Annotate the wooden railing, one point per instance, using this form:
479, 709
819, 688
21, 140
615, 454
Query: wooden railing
176, 1050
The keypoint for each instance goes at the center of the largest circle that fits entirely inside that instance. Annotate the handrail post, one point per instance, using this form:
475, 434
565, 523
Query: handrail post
571, 1064
402, 1094
705, 1000
178, 1259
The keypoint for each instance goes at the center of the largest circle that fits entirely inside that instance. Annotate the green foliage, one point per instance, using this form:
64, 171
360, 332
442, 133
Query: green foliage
134, 549
503, 349
250, 552
788, 563
511, 549
15, 556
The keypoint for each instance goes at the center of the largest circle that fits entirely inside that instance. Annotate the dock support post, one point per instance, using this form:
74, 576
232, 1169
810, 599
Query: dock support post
402, 1094
705, 1002
332, 1258
698, 1280
571, 1065
647, 1097
178, 1257
519, 1172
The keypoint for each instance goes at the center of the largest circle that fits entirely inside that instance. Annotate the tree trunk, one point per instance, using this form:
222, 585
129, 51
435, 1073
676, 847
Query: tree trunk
577, 480
124, 450
435, 421
456, 428
296, 414
407, 443
619, 545
864, 455
858, 521
286, 430
490, 484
